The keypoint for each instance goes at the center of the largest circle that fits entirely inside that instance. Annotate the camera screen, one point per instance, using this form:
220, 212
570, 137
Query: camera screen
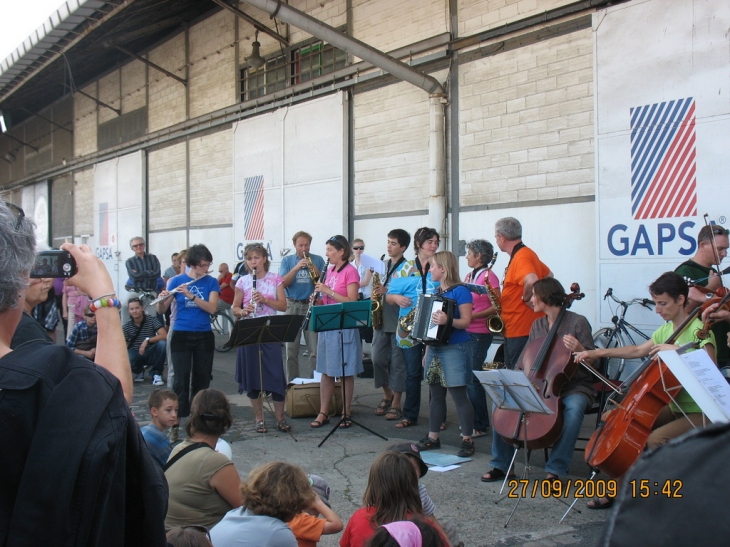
46, 266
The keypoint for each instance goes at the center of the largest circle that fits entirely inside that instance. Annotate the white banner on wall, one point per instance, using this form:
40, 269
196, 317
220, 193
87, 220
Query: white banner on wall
662, 137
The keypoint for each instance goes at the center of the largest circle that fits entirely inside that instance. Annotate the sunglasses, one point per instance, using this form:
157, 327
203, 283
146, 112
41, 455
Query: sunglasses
89, 315
17, 211
359, 248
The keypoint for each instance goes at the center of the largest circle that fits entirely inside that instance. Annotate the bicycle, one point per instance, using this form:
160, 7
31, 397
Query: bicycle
620, 334
222, 325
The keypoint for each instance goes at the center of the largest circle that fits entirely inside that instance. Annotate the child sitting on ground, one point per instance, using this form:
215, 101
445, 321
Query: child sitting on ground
307, 527
163, 408
429, 507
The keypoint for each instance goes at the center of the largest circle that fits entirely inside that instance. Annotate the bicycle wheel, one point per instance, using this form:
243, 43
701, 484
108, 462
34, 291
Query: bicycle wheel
612, 367
222, 326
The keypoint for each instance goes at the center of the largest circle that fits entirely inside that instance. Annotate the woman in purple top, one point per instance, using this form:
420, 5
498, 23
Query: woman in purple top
341, 285
267, 368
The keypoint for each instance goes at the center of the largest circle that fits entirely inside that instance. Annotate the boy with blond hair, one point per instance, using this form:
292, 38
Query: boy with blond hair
163, 408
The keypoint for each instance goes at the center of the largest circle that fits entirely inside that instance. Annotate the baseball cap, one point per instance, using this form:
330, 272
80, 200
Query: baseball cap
320, 486
411, 449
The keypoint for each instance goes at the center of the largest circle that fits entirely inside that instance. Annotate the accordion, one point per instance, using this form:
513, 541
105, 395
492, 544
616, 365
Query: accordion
424, 329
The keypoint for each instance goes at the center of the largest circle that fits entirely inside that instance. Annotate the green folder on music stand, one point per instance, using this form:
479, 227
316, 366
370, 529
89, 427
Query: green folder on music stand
348, 315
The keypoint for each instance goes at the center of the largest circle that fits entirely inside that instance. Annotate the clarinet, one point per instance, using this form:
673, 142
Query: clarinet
253, 290
314, 297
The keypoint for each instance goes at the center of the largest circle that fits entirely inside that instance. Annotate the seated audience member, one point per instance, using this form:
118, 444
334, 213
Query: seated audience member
391, 495
29, 330
77, 471
273, 494
204, 484
188, 536
407, 533
146, 343
308, 528
83, 336
163, 408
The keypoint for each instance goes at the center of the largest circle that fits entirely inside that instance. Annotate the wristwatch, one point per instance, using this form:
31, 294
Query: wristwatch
147, 339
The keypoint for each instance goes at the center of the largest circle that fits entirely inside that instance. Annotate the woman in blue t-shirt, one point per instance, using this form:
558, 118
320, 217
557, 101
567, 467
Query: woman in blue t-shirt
449, 366
192, 344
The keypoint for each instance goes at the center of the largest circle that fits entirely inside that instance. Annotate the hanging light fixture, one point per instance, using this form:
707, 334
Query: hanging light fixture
255, 60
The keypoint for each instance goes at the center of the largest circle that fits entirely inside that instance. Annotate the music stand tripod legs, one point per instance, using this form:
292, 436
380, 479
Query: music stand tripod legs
344, 401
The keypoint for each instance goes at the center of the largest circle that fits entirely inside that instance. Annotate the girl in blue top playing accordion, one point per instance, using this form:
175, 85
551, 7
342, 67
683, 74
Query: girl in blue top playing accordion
449, 368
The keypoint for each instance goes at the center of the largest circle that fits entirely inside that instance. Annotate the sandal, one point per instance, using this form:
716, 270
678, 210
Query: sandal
405, 422
394, 414
596, 503
261, 427
283, 425
443, 426
381, 409
496, 475
317, 423
346, 422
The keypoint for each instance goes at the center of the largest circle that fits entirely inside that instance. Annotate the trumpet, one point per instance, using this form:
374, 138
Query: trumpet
312, 269
494, 322
176, 290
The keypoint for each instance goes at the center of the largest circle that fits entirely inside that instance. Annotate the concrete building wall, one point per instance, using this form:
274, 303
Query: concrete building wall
167, 97
526, 123
388, 25
480, 15
85, 122
167, 184
211, 179
332, 12
83, 202
134, 86
109, 93
212, 82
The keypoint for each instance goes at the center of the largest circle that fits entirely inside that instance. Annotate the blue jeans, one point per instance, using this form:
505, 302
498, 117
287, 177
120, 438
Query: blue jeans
478, 347
513, 349
574, 408
153, 358
414, 374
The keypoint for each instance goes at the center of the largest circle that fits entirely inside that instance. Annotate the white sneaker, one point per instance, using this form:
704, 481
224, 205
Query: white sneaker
139, 377
157, 380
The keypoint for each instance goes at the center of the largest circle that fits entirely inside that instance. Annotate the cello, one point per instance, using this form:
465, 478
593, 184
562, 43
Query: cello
621, 437
549, 365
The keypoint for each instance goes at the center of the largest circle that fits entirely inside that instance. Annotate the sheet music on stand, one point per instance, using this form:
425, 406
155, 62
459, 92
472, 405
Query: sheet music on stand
511, 390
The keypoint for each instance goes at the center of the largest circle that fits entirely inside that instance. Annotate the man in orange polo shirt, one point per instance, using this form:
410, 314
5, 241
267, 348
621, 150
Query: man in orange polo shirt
523, 270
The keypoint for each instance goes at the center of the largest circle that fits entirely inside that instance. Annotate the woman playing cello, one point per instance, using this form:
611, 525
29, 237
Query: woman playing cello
669, 293
577, 395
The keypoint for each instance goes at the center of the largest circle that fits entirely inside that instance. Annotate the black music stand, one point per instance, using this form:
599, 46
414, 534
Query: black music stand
348, 315
268, 329
511, 390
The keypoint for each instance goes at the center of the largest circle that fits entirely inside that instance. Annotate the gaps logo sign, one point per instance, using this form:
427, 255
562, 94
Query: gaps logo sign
663, 178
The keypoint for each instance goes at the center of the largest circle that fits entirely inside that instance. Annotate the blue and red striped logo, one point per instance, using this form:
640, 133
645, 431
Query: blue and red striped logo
254, 207
663, 167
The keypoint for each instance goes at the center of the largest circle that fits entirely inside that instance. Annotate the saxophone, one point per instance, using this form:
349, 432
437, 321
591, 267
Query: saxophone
408, 320
312, 270
377, 303
494, 322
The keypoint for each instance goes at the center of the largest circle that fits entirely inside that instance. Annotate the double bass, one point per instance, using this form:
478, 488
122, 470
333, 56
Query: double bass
549, 365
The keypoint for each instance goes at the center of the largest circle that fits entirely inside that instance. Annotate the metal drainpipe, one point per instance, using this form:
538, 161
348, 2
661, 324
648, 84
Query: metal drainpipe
437, 94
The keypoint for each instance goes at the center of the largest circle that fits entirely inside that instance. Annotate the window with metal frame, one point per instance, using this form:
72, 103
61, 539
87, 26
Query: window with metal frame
305, 62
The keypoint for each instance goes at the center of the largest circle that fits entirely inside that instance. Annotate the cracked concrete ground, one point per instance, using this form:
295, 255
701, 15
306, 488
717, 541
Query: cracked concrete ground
345, 458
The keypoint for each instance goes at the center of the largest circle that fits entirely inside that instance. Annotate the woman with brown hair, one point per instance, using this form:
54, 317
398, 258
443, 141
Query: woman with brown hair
260, 367
273, 495
391, 495
203, 483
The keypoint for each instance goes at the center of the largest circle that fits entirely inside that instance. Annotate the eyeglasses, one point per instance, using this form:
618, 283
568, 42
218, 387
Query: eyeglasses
359, 248
17, 211
138, 245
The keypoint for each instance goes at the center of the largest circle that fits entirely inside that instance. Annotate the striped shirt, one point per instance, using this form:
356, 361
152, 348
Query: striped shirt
144, 271
150, 326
